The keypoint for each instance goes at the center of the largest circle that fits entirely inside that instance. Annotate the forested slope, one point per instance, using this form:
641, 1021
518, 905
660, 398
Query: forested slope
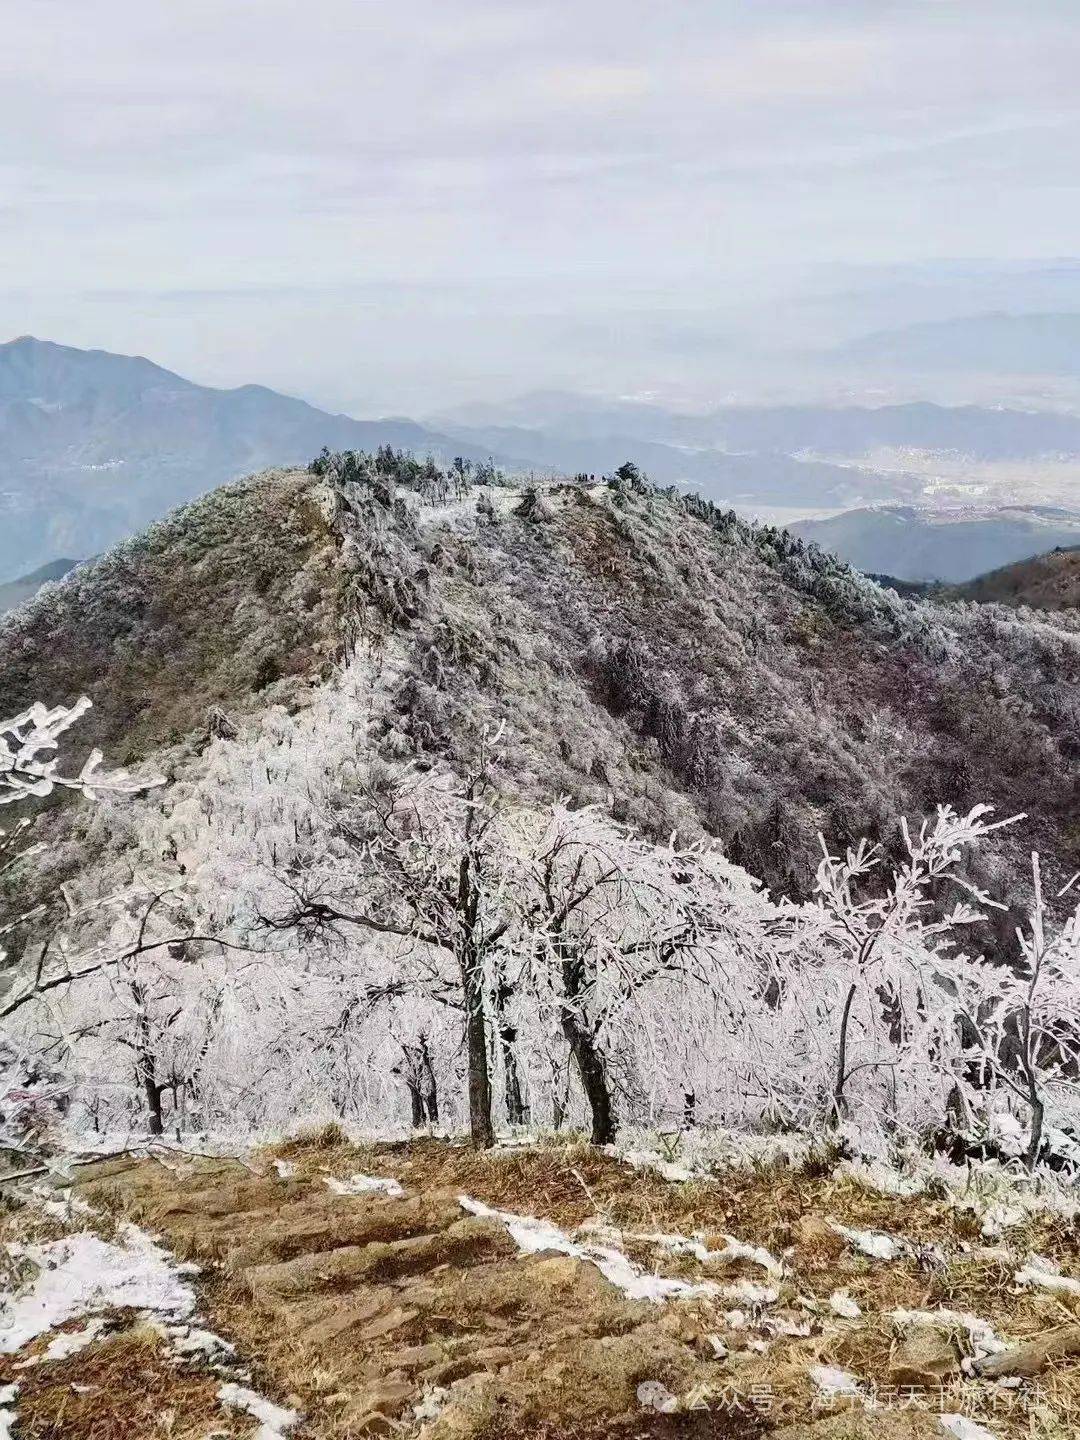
647, 652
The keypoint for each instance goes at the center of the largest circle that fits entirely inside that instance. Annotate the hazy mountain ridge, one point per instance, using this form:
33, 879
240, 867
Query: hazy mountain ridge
999, 342
950, 545
834, 431
16, 591
95, 446
1045, 582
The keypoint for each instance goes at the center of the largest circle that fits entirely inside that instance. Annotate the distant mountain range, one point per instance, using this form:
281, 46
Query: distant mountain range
947, 545
550, 420
94, 446
14, 592
995, 343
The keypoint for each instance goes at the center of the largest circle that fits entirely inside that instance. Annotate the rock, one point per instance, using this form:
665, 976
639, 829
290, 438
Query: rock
1033, 1357
386, 1324
336, 1316
387, 1396
376, 1408
492, 1357
925, 1357
414, 1357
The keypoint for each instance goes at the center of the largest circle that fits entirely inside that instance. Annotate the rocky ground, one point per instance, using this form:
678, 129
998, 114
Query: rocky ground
329, 1290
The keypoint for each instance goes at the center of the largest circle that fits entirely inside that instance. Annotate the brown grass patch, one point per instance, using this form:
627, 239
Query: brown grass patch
360, 1305
126, 1387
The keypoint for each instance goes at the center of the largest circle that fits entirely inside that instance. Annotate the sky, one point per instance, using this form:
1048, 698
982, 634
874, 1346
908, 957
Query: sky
396, 206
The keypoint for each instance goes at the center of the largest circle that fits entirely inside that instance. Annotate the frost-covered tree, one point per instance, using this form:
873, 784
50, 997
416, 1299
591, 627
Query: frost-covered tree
1024, 1021
603, 916
887, 947
422, 869
30, 768
410, 944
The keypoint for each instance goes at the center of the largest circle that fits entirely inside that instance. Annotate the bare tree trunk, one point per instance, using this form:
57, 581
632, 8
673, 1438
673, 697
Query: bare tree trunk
145, 1068
839, 1102
416, 1101
153, 1092
471, 962
517, 1110
428, 1088
587, 1057
1035, 1142
1035, 1100
590, 1068
480, 1127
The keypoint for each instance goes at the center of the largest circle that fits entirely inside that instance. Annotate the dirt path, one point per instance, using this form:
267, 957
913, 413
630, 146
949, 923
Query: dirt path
390, 1290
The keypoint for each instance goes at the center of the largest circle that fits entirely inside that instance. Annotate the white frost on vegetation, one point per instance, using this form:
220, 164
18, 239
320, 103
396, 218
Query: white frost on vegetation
874, 1243
831, 1381
533, 1236
365, 1185
650, 1160
1043, 1272
82, 1273
1001, 1198
882, 1179
980, 1332
747, 1293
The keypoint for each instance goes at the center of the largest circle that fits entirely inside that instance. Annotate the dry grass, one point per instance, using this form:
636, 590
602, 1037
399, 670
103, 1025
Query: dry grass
126, 1387
354, 1307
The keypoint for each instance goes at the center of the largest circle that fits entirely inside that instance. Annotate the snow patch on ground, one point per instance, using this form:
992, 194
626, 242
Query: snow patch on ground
275, 1421
831, 1380
533, 1236
71, 1342
365, 1184
733, 1250
191, 1340
965, 1429
82, 1273
980, 1332
7, 1416
841, 1304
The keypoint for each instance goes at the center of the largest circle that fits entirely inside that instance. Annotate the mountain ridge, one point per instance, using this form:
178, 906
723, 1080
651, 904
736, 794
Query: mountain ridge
952, 546
649, 653
94, 446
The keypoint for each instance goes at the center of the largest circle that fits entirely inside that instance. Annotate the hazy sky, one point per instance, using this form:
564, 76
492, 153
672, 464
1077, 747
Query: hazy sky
389, 205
